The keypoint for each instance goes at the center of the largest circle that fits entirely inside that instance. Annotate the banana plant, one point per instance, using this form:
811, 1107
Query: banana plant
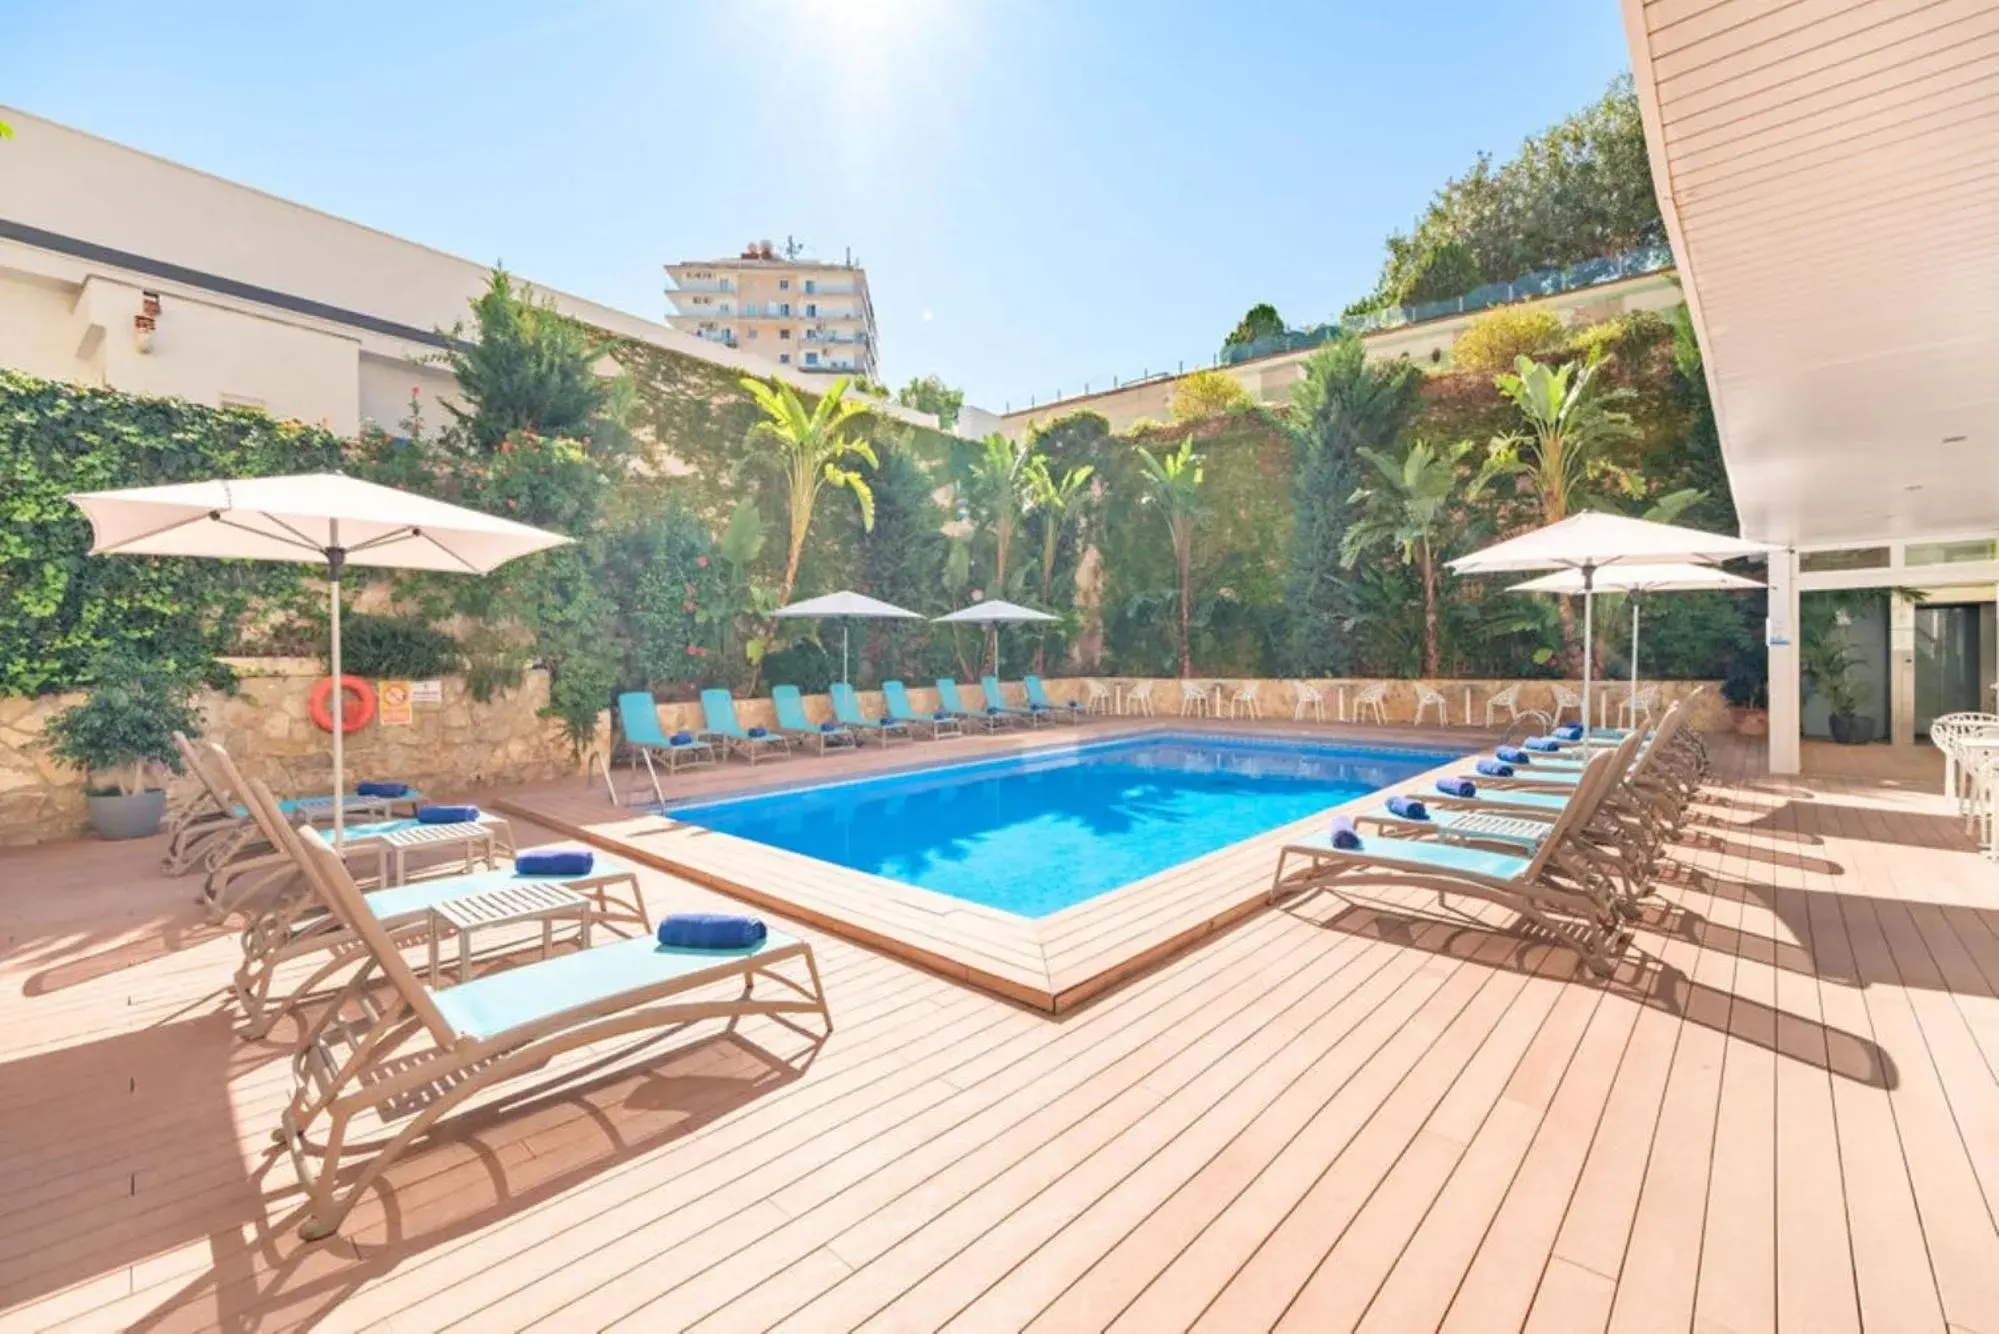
1173, 488
1408, 507
812, 449
1055, 502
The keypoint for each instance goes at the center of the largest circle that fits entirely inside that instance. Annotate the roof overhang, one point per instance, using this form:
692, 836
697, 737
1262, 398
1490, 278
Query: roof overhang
1829, 175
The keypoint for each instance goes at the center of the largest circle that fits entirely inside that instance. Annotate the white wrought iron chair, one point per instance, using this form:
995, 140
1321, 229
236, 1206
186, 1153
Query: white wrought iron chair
1100, 698
1641, 701
1138, 698
1372, 698
1308, 696
1428, 697
1962, 764
1507, 699
1195, 700
1244, 702
1567, 700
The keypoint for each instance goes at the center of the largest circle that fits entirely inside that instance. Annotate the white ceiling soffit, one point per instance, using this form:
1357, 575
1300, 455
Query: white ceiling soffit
1829, 171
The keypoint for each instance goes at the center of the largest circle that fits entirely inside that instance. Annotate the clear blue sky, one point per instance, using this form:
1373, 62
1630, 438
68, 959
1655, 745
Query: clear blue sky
1044, 191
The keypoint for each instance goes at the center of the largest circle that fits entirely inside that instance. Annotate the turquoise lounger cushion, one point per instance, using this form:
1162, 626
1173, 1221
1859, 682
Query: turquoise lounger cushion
494, 1003
1534, 801
1447, 857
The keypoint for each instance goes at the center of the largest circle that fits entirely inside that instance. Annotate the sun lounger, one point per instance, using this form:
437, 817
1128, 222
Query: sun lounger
938, 723
793, 723
211, 828
847, 709
992, 717
1563, 894
374, 1072
996, 699
638, 718
1043, 707
752, 743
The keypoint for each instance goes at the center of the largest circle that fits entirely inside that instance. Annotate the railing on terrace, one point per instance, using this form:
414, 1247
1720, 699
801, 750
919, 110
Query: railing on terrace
1529, 287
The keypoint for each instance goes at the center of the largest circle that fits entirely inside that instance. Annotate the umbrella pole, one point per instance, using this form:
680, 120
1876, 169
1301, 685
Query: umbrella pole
845, 628
1589, 639
1634, 657
336, 560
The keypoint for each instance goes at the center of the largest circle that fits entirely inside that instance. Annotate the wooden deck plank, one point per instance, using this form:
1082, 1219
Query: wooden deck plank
1338, 1113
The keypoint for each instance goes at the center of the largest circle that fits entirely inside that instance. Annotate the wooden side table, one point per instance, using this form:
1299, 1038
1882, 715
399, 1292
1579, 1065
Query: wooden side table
478, 841
530, 901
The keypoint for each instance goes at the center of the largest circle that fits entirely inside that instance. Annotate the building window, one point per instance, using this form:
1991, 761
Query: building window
1948, 553
784, 284
784, 308
784, 334
784, 358
811, 310
1845, 558
812, 358
811, 286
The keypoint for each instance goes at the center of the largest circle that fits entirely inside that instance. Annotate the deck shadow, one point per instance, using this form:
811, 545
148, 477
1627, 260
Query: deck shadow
1641, 977
495, 1162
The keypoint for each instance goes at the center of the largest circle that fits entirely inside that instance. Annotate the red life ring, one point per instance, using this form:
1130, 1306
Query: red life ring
356, 711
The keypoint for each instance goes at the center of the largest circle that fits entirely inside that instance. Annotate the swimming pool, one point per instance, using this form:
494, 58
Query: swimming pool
1032, 834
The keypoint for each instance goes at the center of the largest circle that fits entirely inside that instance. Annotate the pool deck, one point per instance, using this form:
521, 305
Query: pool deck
1050, 963
1781, 1114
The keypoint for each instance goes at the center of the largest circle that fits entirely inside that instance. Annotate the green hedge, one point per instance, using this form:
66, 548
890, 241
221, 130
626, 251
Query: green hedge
61, 609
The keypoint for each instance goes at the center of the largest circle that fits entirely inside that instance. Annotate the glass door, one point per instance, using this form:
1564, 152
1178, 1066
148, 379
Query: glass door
1947, 679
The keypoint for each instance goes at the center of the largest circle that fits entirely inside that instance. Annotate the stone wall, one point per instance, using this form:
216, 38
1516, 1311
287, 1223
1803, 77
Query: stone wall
450, 748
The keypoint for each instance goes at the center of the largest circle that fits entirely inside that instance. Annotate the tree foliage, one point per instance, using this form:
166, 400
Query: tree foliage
1578, 190
1208, 393
1492, 342
126, 726
930, 394
528, 370
1260, 321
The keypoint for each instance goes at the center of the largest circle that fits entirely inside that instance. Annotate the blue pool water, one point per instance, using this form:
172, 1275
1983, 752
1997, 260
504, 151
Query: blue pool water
1036, 833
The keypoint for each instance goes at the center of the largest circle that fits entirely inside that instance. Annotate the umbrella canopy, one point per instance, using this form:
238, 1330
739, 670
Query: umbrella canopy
844, 603
1674, 578
305, 518
311, 517
994, 612
1593, 539
1636, 579
847, 604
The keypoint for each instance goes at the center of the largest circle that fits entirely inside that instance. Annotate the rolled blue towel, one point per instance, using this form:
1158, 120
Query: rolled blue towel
829, 727
759, 731
555, 861
1569, 732
447, 814
1494, 768
1075, 704
991, 710
382, 789
681, 739
711, 931
1457, 785
1409, 808
942, 716
1544, 745
1514, 755
1344, 834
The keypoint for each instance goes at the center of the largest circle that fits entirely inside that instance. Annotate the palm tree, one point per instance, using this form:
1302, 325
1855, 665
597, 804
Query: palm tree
1054, 501
1407, 507
1173, 485
812, 452
1003, 481
1571, 421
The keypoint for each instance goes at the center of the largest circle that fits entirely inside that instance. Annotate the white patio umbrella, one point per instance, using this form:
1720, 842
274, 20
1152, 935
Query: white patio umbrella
1637, 580
847, 606
993, 613
308, 518
1592, 541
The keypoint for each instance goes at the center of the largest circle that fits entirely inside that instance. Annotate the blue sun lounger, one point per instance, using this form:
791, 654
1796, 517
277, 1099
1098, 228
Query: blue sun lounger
791, 721
996, 699
638, 719
847, 709
718, 709
1041, 706
992, 717
940, 723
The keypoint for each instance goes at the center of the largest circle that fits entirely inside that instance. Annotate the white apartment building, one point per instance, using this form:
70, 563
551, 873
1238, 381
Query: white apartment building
807, 314
126, 271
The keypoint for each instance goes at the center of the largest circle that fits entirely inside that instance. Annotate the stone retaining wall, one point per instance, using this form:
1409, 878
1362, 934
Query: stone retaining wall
449, 748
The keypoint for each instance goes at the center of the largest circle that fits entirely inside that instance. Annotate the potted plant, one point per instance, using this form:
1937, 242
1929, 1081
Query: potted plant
1747, 690
125, 729
1827, 661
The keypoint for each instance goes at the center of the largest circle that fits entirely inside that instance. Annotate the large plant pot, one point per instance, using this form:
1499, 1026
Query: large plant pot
136, 816
1752, 722
1851, 729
